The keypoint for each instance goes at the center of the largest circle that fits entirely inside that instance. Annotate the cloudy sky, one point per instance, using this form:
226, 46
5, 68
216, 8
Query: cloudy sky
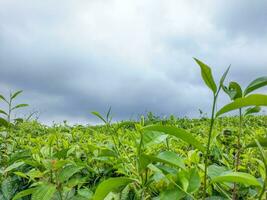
74, 56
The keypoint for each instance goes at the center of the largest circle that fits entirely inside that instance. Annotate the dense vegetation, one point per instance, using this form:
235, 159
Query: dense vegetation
172, 158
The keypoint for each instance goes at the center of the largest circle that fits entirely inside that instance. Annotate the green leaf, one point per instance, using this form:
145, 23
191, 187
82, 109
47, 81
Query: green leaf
68, 172
256, 84
3, 112
251, 100
237, 177
44, 192
109, 185
153, 138
174, 194
176, 132
263, 154
13, 166
234, 90
194, 180
171, 158
262, 142
8, 188
24, 193
16, 94
207, 75
224, 76
3, 98
19, 106
3, 122
252, 110
99, 116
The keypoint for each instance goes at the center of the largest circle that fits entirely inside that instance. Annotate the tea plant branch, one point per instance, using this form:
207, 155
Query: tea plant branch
209, 140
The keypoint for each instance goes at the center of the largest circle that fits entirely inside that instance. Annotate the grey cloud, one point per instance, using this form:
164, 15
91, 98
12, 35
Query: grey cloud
83, 57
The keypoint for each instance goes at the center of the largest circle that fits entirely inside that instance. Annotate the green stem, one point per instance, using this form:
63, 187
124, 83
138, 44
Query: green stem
208, 145
237, 157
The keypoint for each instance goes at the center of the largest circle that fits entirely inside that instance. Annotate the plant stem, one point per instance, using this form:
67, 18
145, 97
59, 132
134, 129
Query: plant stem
208, 146
237, 157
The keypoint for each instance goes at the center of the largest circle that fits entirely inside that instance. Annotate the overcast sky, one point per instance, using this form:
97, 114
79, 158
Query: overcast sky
74, 57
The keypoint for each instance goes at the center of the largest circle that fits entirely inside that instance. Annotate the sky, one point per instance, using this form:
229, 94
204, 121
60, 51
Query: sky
71, 57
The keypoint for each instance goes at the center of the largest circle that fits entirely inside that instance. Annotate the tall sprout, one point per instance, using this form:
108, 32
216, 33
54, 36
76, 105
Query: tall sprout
207, 76
234, 91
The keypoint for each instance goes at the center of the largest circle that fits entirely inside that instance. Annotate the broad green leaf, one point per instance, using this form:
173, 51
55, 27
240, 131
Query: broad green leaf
262, 142
252, 110
173, 194
8, 188
171, 158
3, 122
190, 180
13, 166
237, 177
194, 180
215, 170
19, 106
24, 193
99, 116
263, 154
176, 132
3, 112
234, 90
251, 100
16, 94
68, 172
256, 84
110, 185
153, 138
207, 75
44, 192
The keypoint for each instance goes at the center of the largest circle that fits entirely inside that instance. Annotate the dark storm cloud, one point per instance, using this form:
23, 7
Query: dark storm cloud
73, 57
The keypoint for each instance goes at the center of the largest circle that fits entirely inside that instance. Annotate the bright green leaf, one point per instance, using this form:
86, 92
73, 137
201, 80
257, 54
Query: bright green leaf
251, 100
207, 75
44, 192
176, 132
68, 172
256, 84
109, 185
237, 177
24, 193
